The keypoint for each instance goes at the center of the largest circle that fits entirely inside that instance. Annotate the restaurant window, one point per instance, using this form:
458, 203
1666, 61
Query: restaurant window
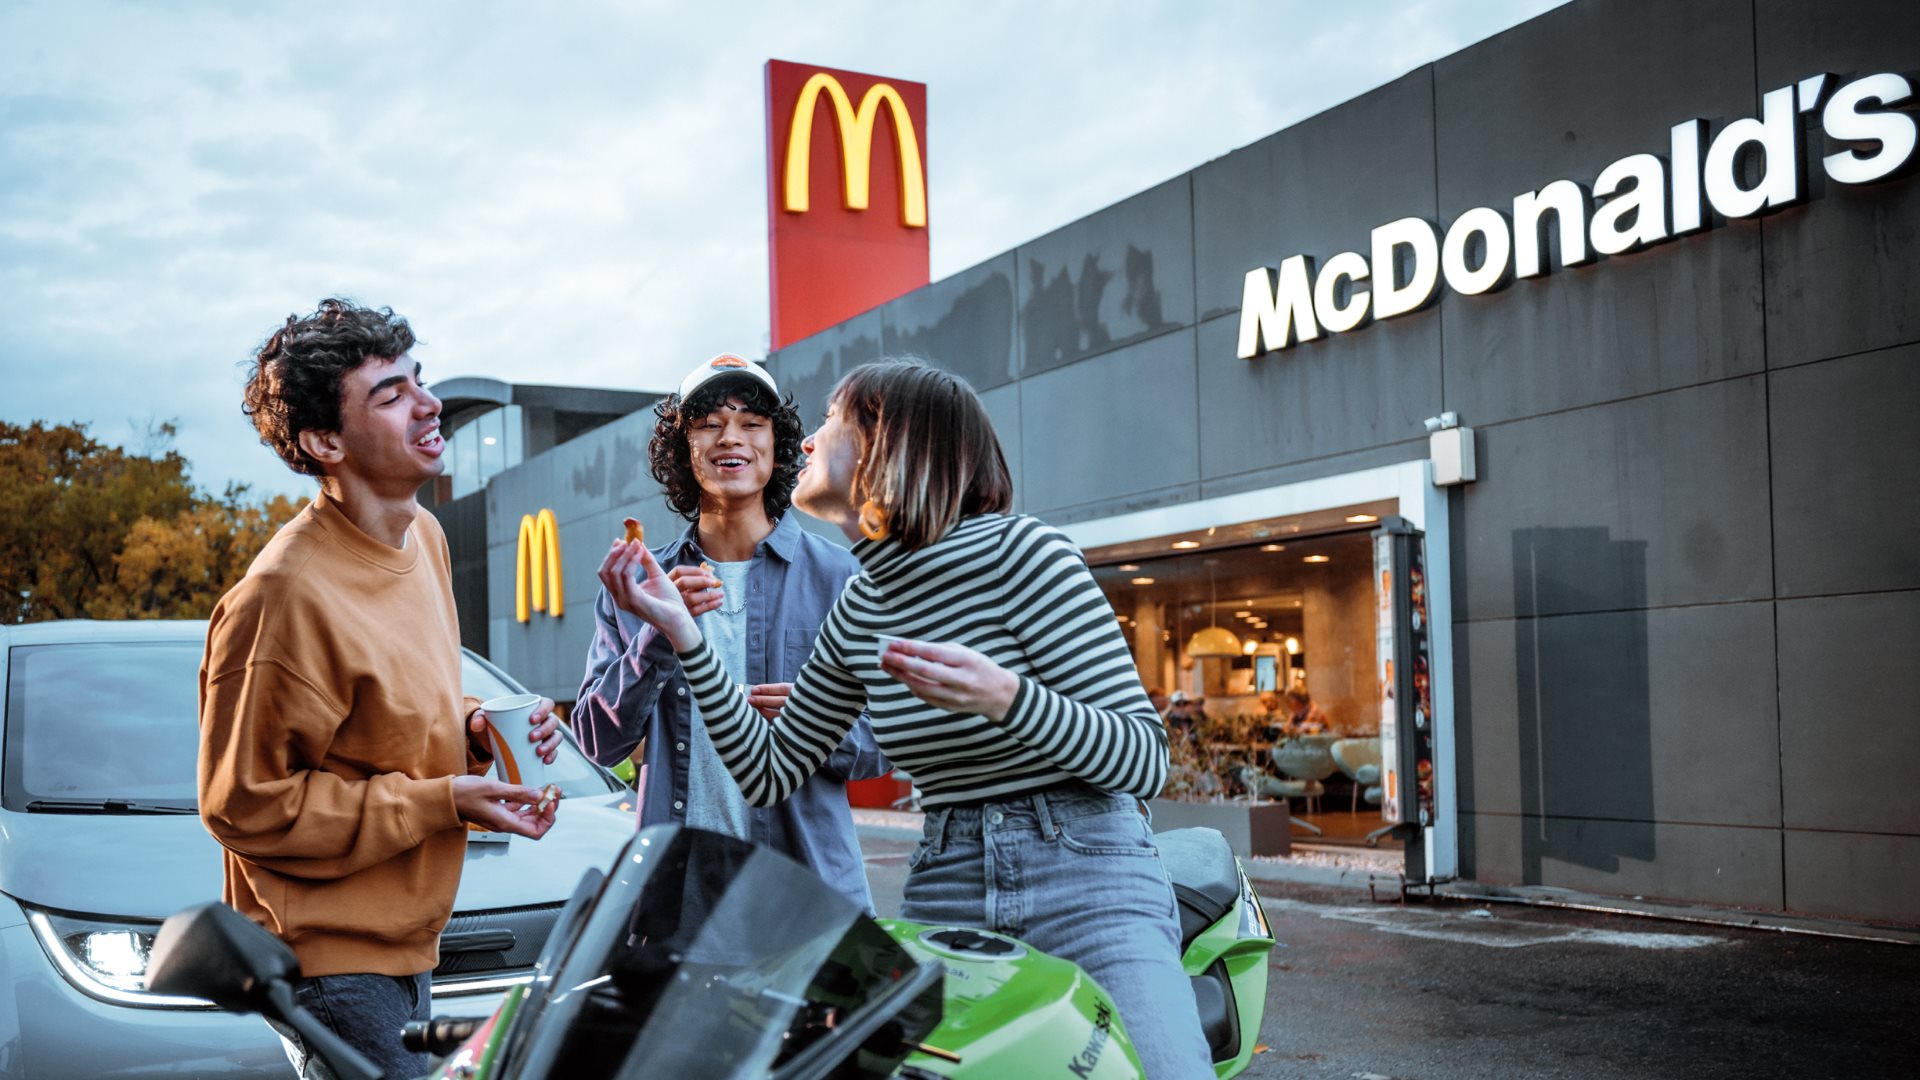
484, 447
1230, 630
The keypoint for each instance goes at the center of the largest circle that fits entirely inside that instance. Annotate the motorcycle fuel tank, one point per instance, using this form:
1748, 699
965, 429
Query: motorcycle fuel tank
1013, 1011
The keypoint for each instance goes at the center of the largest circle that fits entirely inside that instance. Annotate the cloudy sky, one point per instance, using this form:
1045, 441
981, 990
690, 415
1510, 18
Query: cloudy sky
569, 193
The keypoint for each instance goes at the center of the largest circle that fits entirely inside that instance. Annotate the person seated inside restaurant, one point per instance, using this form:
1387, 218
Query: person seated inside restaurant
1269, 708
1185, 715
1300, 716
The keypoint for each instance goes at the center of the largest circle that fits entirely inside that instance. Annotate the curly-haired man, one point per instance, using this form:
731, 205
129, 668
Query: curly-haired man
727, 450
338, 764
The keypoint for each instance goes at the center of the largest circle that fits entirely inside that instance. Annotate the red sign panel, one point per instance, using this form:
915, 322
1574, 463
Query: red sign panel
846, 194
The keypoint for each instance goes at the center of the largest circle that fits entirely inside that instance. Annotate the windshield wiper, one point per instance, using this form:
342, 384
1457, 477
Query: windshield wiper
103, 806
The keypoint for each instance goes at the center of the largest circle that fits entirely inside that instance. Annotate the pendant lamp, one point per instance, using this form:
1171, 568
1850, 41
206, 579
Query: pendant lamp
1213, 641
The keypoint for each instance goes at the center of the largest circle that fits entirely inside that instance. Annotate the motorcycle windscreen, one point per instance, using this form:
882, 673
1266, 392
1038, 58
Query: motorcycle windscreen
721, 951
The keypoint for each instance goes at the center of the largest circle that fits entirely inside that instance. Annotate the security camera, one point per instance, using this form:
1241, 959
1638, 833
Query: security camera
1444, 420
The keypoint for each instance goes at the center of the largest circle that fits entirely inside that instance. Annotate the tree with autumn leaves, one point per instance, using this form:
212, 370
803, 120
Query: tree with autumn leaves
90, 531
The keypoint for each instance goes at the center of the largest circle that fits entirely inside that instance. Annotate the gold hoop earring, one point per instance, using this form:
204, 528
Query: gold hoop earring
872, 521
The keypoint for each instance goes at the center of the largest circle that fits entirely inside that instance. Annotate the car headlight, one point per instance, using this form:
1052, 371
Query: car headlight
105, 959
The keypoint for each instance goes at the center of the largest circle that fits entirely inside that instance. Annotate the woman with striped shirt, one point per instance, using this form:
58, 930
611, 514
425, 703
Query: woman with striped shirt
992, 668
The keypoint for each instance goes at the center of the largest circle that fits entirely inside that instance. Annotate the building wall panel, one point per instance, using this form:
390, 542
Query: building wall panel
1667, 715
1845, 459
1849, 730
1110, 427
1111, 279
1841, 273
1709, 864
965, 323
1651, 502
1853, 875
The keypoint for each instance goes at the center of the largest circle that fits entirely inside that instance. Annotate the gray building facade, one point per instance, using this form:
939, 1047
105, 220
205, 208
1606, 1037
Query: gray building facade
1673, 611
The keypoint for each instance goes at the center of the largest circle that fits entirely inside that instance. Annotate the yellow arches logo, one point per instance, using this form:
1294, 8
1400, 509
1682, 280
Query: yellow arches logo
539, 543
856, 147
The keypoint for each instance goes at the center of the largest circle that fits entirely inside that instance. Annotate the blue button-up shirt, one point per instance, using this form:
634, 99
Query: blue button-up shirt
634, 689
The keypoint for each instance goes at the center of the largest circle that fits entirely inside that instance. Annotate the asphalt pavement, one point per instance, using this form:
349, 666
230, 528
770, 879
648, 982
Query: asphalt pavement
1370, 988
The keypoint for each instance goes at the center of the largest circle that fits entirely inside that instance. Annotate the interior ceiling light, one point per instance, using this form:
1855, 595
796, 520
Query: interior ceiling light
1362, 519
1214, 640
1293, 646
1128, 567
1273, 547
1186, 545
1244, 614
1143, 581
1250, 647
1316, 559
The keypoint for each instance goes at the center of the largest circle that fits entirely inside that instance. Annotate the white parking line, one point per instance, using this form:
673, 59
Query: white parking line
1481, 927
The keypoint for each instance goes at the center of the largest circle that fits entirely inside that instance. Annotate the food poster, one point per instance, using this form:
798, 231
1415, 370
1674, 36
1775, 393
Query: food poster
1383, 662
1406, 752
1422, 696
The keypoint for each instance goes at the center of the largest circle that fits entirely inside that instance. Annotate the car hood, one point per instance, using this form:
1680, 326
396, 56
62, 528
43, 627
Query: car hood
148, 867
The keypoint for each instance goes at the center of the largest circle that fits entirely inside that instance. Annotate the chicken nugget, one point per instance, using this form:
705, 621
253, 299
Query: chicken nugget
635, 534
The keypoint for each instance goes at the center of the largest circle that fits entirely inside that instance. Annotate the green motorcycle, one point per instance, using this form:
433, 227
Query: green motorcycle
1010, 1010
700, 956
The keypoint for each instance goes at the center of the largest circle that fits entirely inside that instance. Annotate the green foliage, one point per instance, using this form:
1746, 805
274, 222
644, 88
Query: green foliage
94, 531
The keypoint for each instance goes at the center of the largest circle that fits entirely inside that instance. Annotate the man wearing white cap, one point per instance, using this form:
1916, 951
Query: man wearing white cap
727, 449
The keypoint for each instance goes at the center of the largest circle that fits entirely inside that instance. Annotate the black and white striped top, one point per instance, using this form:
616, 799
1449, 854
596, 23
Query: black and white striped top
1011, 587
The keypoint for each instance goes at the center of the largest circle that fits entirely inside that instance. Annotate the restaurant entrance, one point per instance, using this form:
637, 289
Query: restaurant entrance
1263, 658
1262, 640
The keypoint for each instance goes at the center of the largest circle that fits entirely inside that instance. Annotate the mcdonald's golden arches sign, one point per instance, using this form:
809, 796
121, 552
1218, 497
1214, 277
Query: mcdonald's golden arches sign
846, 194
536, 567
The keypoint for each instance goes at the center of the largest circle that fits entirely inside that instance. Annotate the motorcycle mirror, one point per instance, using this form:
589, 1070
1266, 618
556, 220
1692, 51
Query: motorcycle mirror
214, 952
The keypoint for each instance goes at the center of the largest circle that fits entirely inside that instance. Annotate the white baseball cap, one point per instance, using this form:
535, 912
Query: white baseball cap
726, 366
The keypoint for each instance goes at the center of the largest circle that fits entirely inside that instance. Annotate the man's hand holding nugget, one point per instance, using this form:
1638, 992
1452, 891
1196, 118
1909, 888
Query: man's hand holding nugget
498, 806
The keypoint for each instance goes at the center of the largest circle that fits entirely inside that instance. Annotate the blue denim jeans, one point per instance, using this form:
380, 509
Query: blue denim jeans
1072, 872
367, 1011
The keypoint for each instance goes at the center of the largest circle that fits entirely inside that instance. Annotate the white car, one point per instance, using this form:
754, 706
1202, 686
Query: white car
100, 840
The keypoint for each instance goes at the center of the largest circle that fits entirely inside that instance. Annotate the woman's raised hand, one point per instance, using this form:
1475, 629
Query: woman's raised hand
655, 601
953, 677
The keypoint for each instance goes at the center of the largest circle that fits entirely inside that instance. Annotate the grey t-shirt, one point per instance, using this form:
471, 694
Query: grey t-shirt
714, 801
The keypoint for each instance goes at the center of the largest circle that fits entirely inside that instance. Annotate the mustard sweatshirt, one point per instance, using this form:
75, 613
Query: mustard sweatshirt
331, 727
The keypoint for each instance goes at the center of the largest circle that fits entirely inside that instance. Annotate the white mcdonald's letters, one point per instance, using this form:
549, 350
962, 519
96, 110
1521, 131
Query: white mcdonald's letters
1753, 166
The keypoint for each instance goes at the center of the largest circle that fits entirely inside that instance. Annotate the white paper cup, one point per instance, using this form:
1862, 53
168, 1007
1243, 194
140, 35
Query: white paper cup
515, 758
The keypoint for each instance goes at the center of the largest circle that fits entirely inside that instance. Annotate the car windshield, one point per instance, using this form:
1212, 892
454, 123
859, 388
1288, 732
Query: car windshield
114, 726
